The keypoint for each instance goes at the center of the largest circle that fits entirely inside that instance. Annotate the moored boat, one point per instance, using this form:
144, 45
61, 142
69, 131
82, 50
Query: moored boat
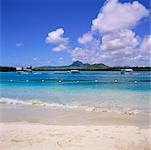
74, 71
123, 71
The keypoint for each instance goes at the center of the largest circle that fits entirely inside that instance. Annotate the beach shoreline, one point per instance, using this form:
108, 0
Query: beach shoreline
44, 128
61, 116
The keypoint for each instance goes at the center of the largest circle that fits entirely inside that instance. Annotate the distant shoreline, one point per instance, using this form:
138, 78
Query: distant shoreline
77, 65
110, 69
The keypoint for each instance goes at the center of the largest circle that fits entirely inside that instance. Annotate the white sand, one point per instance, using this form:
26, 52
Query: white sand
28, 136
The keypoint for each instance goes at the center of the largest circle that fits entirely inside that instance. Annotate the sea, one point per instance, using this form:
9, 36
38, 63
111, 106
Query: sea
89, 91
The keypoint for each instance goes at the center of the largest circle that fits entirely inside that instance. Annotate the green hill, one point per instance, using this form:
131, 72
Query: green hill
75, 65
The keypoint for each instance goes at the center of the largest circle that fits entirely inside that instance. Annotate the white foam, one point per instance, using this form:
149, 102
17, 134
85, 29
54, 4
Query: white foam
9, 101
4, 100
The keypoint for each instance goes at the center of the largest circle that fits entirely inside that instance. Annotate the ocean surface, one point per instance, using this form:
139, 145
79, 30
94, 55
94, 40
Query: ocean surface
100, 91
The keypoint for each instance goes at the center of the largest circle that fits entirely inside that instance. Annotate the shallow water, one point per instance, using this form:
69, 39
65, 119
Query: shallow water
100, 90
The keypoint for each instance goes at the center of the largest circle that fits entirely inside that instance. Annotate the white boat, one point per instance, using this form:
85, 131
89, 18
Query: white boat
25, 71
123, 71
73, 71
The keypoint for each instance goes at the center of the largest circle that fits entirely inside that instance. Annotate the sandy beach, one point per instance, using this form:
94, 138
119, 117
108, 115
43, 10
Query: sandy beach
29, 136
42, 128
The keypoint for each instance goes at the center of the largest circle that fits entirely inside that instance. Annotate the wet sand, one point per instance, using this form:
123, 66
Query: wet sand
59, 116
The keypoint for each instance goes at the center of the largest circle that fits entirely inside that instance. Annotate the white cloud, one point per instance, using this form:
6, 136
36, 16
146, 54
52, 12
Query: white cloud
60, 48
111, 39
112, 49
56, 38
19, 44
118, 47
121, 40
85, 55
61, 59
89, 41
115, 16
80, 54
36, 59
115, 43
127, 51
144, 52
145, 47
86, 38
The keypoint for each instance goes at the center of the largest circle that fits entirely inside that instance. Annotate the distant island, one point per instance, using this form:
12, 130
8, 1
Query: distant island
75, 65
79, 66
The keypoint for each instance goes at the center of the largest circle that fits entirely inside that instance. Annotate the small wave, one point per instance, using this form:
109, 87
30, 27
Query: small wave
40, 103
9, 101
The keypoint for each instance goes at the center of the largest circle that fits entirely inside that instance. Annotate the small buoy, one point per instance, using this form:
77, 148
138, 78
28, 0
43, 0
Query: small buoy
59, 81
42, 80
135, 81
11, 80
96, 80
115, 80
78, 81
27, 80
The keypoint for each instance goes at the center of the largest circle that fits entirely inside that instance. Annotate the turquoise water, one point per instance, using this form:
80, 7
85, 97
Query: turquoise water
100, 90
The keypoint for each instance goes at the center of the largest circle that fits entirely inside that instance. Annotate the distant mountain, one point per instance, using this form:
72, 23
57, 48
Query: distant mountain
79, 64
75, 65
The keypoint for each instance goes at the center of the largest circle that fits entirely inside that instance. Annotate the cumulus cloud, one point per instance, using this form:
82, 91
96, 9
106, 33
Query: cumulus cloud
112, 40
144, 52
112, 49
86, 38
80, 54
119, 45
120, 40
89, 41
56, 38
60, 47
85, 55
115, 16
145, 47
125, 48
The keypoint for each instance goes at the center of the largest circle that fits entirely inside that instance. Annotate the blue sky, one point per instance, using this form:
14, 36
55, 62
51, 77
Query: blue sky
26, 24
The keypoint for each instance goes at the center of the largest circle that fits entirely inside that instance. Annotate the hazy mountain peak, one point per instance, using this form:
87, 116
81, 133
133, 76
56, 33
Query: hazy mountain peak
77, 64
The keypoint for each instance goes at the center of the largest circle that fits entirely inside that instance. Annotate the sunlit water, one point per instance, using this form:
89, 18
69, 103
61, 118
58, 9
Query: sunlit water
88, 90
